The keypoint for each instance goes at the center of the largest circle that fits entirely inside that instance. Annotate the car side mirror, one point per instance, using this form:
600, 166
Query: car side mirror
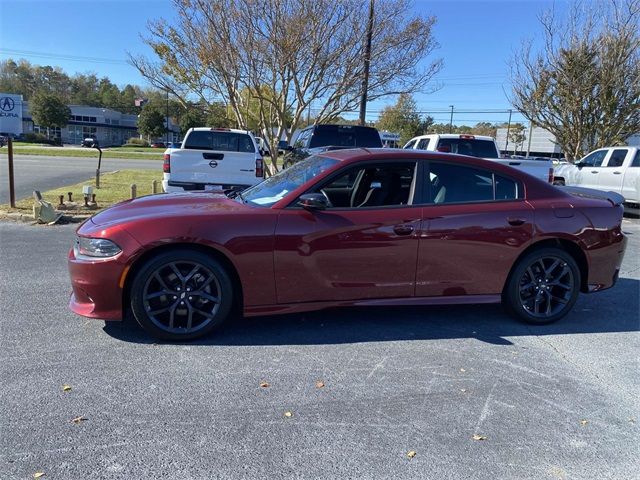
313, 201
579, 165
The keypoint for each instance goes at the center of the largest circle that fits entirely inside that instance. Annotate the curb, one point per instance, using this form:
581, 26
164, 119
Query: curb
26, 218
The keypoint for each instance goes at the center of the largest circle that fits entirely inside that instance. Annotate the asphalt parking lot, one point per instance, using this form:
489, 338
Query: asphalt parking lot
560, 401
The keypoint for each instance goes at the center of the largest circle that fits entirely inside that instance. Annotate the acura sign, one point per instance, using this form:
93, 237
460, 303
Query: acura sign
10, 113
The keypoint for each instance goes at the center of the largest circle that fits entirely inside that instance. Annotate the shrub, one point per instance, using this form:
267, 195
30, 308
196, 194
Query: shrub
136, 142
32, 137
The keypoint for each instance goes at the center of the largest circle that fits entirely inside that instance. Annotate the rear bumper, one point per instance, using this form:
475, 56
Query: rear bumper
604, 265
172, 187
96, 292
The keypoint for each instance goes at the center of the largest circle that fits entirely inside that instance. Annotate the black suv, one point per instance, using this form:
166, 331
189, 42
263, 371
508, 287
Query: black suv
320, 138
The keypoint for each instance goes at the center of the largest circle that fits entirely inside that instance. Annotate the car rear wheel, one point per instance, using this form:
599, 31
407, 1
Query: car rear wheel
181, 295
543, 287
559, 182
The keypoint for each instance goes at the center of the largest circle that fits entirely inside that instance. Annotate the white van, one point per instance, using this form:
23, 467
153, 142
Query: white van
212, 159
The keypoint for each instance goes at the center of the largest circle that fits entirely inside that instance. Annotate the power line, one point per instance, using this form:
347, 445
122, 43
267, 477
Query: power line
58, 56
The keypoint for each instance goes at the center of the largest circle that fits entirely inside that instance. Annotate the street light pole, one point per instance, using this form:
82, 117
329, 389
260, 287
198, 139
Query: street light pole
451, 120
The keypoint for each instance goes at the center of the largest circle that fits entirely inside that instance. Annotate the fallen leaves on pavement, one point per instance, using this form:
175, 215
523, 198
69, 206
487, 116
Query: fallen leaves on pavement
479, 437
462, 370
319, 384
38, 474
79, 419
264, 384
288, 414
66, 388
584, 422
411, 454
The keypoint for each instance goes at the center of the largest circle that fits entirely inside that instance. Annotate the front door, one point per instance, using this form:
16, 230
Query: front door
364, 245
612, 173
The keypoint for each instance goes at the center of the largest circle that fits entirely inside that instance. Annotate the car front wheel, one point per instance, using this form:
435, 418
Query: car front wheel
543, 287
181, 295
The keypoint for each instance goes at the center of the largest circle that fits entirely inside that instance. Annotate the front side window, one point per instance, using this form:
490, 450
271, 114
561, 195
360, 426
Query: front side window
369, 186
410, 145
594, 159
636, 159
451, 183
617, 158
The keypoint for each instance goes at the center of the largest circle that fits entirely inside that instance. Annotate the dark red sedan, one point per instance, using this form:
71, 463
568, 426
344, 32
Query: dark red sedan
349, 227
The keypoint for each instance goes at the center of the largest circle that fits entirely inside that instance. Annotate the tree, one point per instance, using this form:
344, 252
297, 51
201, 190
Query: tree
287, 55
484, 128
584, 84
151, 122
403, 118
516, 135
47, 110
193, 117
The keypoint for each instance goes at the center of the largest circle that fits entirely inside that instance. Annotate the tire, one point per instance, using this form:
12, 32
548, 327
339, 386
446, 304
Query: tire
559, 182
550, 294
181, 295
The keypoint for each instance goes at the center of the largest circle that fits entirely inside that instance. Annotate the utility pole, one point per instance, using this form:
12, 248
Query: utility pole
451, 120
506, 143
367, 62
167, 129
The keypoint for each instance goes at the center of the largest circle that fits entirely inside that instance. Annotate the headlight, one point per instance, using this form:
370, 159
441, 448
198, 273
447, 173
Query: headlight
97, 247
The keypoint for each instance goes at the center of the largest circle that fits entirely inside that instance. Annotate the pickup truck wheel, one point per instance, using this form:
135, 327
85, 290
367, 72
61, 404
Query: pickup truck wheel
181, 295
559, 182
543, 286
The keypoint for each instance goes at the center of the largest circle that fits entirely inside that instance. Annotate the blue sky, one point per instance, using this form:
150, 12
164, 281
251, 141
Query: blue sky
477, 38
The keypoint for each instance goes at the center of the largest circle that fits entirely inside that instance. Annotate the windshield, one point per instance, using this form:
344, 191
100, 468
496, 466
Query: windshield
345, 136
275, 188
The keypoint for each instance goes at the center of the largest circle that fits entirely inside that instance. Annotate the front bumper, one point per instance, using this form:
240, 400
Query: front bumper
96, 290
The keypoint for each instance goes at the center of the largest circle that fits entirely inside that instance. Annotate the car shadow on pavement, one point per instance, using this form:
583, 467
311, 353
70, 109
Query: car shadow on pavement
616, 310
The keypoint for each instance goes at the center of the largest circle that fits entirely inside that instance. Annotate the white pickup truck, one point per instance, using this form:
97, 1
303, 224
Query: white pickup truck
213, 159
612, 169
481, 147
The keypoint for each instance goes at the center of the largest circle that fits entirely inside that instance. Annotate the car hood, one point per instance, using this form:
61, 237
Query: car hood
168, 205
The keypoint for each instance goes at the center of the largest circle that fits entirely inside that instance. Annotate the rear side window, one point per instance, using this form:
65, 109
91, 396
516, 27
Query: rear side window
617, 158
460, 184
219, 141
345, 136
410, 145
467, 146
636, 159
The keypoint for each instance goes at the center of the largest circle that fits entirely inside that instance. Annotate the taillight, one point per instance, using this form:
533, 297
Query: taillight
259, 168
550, 175
166, 164
468, 137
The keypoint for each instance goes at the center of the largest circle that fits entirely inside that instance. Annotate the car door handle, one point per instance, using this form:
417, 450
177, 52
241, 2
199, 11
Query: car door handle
617, 173
516, 222
594, 171
403, 229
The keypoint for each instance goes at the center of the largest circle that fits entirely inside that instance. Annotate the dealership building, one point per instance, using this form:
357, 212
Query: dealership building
108, 126
539, 142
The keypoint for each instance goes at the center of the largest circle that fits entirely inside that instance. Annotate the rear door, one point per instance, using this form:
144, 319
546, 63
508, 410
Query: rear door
215, 157
476, 223
611, 174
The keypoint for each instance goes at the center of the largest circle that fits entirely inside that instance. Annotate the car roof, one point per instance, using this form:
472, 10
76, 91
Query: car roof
216, 129
453, 135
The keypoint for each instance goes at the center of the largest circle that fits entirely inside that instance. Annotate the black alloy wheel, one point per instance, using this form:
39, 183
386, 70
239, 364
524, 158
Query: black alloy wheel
181, 295
544, 286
